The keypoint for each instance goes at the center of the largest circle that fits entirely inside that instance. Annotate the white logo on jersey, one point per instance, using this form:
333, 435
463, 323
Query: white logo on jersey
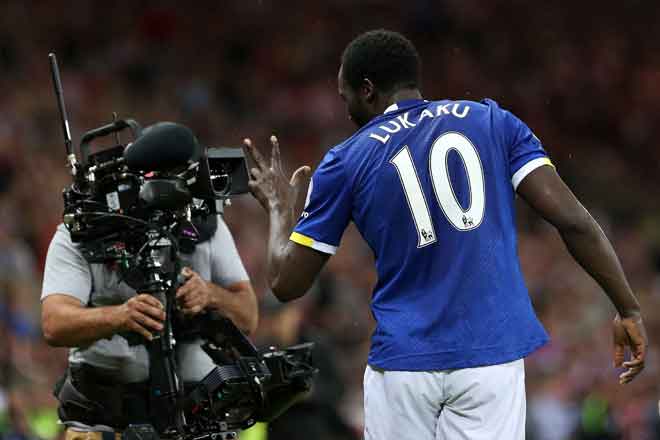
310, 188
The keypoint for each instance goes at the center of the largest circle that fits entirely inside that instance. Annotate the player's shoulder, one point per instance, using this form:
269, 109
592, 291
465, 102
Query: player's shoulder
483, 105
360, 136
460, 106
489, 110
495, 108
341, 152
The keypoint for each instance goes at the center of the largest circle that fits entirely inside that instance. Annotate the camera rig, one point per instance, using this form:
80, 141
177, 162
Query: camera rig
137, 207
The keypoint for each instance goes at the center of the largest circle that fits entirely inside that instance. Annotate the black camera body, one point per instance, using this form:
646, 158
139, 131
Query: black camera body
162, 175
137, 207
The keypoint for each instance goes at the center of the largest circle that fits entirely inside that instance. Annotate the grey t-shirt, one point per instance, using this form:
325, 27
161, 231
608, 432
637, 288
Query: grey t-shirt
67, 272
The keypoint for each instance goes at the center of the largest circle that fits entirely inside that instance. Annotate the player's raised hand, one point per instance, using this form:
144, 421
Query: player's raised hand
629, 332
269, 184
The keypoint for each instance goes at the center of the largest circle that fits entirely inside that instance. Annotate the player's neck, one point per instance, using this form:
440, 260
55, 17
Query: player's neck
403, 95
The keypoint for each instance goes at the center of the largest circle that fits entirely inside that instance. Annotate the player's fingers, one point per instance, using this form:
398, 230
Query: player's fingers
619, 354
275, 157
638, 354
300, 175
634, 363
257, 192
638, 345
620, 342
637, 339
254, 154
629, 375
255, 174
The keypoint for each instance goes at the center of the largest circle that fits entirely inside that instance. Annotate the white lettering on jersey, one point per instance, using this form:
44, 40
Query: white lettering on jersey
454, 111
405, 123
457, 110
396, 128
442, 110
426, 113
383, 139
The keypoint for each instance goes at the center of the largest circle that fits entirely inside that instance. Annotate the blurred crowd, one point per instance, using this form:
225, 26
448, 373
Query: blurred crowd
584, 75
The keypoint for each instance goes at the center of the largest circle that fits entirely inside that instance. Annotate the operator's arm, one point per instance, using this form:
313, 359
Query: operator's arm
229, 290
238, 303
235, 301
66, 288
67, 323
545, 191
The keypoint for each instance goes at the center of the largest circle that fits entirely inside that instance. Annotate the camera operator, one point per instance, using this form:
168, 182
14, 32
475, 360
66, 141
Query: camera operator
88, 308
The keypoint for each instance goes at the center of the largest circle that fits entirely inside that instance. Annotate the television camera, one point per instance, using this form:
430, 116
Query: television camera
137, 207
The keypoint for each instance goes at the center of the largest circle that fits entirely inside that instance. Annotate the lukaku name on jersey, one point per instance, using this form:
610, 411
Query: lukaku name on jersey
403, 122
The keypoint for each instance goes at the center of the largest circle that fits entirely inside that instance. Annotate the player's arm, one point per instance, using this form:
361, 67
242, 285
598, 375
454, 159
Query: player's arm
546, 192
292, 267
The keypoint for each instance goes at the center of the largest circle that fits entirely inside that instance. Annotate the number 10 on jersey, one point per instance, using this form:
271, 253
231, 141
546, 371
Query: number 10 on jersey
461, 219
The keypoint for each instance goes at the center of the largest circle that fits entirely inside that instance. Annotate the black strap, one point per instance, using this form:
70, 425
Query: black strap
93, 398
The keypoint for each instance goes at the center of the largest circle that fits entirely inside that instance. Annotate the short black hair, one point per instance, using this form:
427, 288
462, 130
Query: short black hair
387, 58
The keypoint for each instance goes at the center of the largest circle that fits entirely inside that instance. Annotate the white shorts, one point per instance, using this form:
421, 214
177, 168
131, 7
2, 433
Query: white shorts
483, 403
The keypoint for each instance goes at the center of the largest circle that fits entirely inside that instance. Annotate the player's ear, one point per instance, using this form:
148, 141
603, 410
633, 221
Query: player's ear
368, 90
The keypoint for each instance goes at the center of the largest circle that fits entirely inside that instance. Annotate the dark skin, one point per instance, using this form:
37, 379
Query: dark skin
67, 323
292, 268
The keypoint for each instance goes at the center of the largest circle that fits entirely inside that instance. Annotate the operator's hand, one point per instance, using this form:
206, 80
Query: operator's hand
629, 332
142, 314
195, 295
269, 184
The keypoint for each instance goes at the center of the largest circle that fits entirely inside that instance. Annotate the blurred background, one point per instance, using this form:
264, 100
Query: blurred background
585, 76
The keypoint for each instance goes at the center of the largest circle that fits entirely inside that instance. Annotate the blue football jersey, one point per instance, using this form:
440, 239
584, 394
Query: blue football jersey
431, 187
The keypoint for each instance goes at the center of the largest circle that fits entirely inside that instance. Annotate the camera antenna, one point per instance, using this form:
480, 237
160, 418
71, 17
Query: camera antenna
57, 84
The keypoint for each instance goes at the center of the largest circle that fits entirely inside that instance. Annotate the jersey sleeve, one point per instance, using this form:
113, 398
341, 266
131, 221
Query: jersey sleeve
66, 270
327, 208
525, 151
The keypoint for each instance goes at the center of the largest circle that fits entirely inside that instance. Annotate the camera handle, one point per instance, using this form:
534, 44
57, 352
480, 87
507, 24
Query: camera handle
114, 127
161, 269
